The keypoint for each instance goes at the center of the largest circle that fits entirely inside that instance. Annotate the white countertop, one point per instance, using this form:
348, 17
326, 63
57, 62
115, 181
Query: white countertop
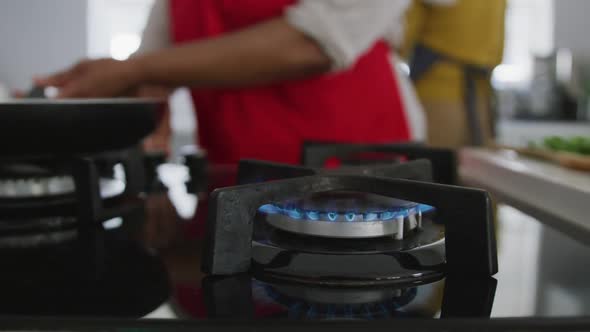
553, 194
521, 132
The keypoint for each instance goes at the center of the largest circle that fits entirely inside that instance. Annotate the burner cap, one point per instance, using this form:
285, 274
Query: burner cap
54, 186
346, 215
25, 170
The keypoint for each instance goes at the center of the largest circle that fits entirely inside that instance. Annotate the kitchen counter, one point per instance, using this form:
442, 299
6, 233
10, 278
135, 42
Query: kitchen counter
521, 132
551, 193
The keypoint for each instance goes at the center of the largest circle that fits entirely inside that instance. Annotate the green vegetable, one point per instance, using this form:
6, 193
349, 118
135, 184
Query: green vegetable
578, 144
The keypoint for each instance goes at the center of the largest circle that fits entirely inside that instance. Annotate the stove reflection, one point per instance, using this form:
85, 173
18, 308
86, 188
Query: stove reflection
247, 298
64, 281
326, 303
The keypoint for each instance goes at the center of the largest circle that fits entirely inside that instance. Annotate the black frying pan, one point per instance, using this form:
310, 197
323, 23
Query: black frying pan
43, 127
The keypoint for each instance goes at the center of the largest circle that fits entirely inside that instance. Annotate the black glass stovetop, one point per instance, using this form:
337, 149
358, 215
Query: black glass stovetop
155, 283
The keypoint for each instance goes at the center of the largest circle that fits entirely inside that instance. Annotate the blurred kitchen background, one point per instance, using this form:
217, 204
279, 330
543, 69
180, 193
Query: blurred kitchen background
542, 88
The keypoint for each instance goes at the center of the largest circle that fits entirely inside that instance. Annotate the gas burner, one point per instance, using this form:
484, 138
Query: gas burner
51, 178
38, 240
54, 186
22, 170
346, 215
40, 232
40, 187
356, 217
49, 201
377, 240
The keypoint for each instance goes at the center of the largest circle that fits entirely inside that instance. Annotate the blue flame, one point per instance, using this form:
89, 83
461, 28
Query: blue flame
350, 216
425, 208
387, 215
313, 215
295, 213
391, 214
370, 216
269, 209
332, 216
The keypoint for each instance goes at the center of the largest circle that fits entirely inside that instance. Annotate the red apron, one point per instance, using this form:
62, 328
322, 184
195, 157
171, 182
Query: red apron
361, 105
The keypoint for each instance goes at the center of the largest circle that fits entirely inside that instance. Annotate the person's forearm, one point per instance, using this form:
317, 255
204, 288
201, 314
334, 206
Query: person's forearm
263, 53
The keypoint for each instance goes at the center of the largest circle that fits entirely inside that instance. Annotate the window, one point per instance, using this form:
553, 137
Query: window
115, 26
529, 32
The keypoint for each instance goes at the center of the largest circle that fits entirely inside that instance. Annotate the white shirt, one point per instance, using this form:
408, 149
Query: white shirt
344, 29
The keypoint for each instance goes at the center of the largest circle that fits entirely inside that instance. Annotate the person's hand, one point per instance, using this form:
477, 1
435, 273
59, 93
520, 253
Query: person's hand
95, 79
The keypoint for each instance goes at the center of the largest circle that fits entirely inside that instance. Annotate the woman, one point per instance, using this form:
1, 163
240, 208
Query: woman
454, 45
267, 75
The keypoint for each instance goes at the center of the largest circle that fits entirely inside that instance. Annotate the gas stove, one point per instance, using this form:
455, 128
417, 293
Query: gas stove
364, 240
357, 237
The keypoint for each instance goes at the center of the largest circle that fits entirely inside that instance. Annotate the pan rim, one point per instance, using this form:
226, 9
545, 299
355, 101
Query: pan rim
89, 101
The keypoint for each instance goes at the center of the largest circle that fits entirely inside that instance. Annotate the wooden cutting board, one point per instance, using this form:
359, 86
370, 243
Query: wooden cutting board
565, 159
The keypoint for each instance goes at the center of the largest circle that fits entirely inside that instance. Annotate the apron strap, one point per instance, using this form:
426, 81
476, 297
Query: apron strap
425, 58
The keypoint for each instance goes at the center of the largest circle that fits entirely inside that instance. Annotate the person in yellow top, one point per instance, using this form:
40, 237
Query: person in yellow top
452, 47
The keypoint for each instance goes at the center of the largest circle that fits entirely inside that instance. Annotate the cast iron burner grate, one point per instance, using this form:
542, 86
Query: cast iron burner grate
465, 213
321, 154
47, 201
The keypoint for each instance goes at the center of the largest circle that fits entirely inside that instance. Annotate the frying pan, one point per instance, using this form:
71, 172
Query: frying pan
45, 127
